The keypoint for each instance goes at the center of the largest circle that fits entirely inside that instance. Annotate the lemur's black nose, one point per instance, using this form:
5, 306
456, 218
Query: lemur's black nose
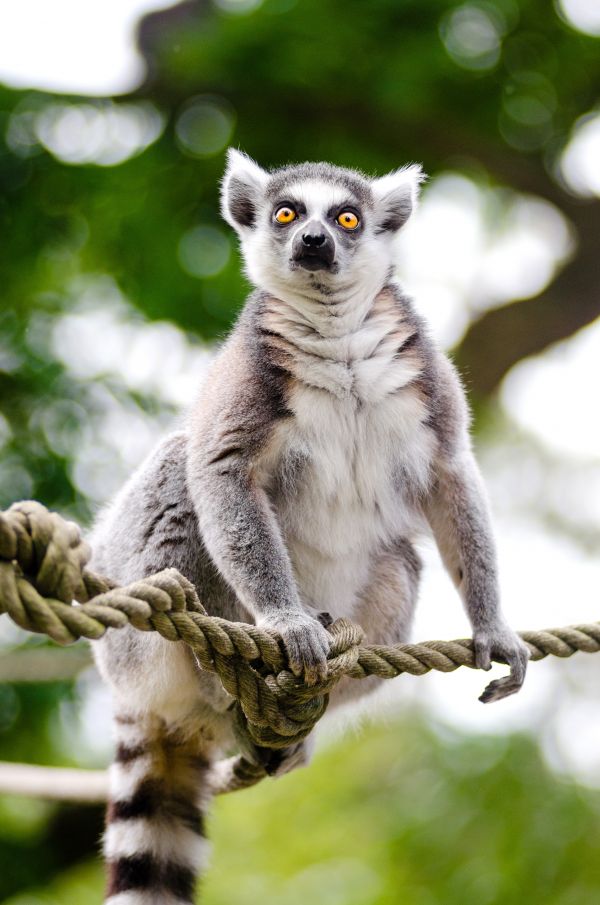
313, 247
313, 240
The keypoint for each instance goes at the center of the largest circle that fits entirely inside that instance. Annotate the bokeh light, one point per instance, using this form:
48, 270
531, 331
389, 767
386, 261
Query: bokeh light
238, 7
104, 133
580, 161
204, 126
472, 35
204, 251
526, 120
582, 14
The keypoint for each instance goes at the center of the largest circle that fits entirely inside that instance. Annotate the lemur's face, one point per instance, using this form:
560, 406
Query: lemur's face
316, 229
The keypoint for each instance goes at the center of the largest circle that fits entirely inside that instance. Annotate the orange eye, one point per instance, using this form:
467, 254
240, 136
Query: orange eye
285, 214
348, 220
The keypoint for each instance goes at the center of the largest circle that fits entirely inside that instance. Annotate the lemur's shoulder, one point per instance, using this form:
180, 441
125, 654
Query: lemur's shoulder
439, 379
242, 397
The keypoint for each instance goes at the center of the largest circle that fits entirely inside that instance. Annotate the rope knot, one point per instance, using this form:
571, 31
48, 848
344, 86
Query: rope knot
276, 709
49, 551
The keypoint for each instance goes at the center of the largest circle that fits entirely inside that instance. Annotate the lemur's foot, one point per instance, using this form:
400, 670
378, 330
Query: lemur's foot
277, 763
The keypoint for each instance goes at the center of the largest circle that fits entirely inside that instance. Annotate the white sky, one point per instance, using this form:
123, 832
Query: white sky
72, 46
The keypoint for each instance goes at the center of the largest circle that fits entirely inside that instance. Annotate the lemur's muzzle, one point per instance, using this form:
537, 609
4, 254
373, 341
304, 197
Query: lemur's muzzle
313, 247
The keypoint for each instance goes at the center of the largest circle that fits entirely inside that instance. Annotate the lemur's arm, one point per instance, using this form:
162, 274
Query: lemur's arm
458, 513
231, 451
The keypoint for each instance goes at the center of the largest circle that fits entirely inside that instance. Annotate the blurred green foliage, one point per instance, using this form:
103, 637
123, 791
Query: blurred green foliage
397, 814
402, 813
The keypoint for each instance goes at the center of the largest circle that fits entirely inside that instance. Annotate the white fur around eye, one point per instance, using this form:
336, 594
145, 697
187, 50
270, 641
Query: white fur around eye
318, 197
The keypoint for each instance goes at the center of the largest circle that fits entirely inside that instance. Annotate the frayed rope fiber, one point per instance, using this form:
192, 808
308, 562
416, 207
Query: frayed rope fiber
46, 587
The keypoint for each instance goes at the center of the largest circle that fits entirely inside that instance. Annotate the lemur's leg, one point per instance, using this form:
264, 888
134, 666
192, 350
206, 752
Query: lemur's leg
385, 610
154, 842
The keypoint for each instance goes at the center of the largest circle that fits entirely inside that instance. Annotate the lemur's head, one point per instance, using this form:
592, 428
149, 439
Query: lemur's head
316, 229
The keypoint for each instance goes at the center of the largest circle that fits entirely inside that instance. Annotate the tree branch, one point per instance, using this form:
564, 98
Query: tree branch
54, 783
43, 664
504, 336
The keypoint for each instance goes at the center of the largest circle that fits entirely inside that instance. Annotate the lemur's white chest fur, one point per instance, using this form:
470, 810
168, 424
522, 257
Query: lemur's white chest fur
357, 453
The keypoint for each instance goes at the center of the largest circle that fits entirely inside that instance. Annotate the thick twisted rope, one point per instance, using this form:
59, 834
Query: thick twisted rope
43, 570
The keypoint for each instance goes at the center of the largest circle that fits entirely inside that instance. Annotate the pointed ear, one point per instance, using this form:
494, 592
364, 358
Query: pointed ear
396, 196
241, 189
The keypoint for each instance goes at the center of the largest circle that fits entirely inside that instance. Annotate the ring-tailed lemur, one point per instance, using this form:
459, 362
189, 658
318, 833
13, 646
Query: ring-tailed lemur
328, 434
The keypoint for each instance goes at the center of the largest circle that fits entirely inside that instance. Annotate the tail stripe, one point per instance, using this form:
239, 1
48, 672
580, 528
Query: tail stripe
140, 872
126, 753
164, 840
151, 799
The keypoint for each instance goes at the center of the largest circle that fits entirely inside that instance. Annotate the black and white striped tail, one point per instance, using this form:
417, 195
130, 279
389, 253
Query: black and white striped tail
154, 843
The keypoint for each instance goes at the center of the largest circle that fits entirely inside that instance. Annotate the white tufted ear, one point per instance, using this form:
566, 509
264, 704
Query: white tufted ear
241, 189
396, 196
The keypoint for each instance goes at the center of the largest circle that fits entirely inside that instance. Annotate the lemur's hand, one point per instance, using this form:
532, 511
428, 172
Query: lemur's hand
501, 643
307, 644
